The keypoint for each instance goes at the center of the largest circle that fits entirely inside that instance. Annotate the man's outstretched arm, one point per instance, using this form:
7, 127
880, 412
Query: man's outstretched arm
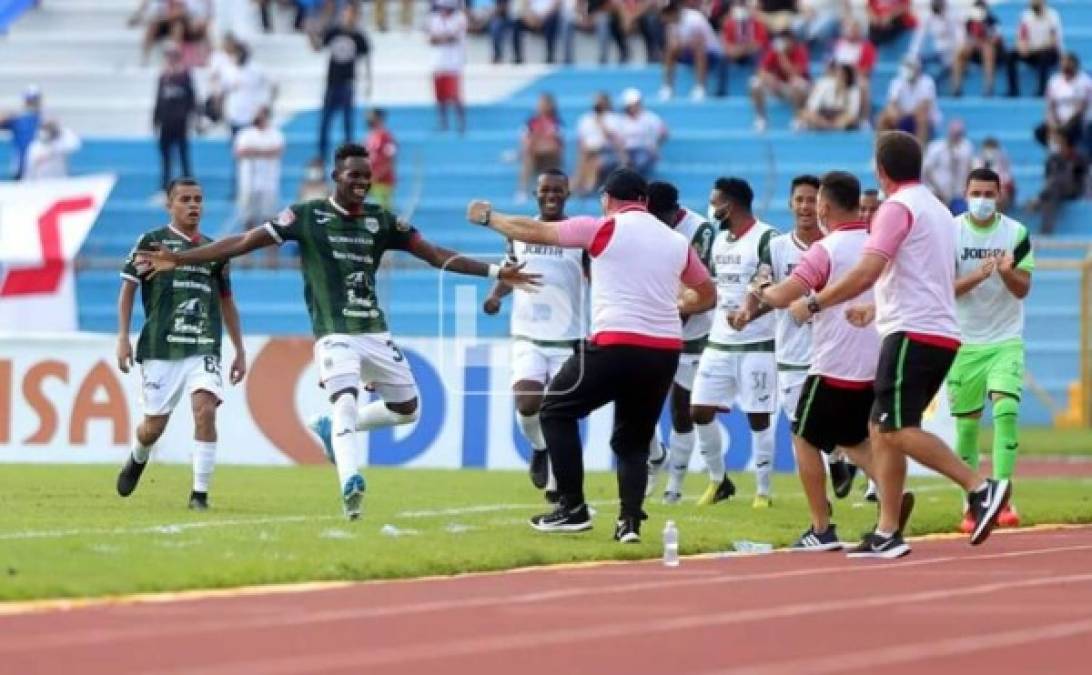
223, 249
519, 228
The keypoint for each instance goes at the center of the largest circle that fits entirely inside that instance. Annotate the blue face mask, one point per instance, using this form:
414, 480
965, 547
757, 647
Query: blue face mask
981, 208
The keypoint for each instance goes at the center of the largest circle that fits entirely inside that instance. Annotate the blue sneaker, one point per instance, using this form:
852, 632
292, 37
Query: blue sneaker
352, 495
320, 426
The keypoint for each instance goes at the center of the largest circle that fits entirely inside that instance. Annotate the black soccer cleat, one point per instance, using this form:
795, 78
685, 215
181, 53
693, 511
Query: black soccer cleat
563, 519
628, 530
842, 474
199, 501
540, 468
986, 505
130, 476
874, 545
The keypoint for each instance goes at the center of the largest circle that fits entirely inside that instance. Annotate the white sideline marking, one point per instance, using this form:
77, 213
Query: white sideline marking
171, 528
536, 638
298, 617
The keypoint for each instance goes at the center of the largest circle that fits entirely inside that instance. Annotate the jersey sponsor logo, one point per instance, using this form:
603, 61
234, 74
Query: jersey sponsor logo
344, 255
728, 259
285, 218
358, 294
371, 225
970, 253
189, 317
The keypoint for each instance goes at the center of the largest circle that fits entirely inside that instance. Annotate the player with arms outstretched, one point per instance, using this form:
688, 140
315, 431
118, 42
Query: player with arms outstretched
342, 240
179, 346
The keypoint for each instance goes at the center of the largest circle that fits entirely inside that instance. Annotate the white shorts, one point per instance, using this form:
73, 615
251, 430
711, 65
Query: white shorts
536, 362
744, 379
687, 370
164, 382
372, 358
789, 385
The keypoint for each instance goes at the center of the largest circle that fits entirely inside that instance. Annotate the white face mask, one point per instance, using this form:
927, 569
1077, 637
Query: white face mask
740, 13
981, 208
779, 44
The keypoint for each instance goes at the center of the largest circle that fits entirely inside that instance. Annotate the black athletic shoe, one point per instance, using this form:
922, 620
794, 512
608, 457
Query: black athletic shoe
986, 505
199, 501
842, 474
821, 541
628, 530
130, 476
540, 468
875, 546
905, 509
723, 490
563, 519
552, 496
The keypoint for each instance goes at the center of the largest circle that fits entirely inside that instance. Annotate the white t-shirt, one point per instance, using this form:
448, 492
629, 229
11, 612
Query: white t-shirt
49, 159
260, 174
1068, 95
641, 132
557, 310
692, 24
793, 340
247, 89
1040, 29
449, 57
825, 98
541, 8
908, 95
593, 130
945, 167
946, 33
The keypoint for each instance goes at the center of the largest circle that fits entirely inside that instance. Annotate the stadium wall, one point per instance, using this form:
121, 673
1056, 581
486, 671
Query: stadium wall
63, 399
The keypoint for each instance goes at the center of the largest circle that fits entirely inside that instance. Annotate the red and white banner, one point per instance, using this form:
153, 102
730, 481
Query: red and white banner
43, 224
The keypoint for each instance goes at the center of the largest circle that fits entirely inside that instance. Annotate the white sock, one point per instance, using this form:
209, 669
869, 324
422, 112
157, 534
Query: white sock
712, 449
762, 444
343, 416
376, 414
531, 427
204, 460
141, 453
551, 481
682, 446
656, 450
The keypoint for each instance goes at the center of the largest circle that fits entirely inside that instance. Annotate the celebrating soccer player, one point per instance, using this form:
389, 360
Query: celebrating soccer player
342, 240
994, 265
179, 346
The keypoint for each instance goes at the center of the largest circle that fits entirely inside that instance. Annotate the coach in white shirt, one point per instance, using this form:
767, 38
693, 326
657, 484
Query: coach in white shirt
911, 103
258, 153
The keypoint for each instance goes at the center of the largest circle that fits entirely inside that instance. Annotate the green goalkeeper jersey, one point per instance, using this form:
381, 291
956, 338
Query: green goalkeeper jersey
989, 313
339, 256
182, 314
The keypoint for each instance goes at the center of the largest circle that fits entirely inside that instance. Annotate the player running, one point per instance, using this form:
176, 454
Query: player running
663, 202
738, 366
994, 264
546, 326
908, 258
179, 346
342, 240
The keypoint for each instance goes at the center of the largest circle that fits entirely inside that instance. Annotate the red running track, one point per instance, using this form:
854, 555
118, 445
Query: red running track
1022, 603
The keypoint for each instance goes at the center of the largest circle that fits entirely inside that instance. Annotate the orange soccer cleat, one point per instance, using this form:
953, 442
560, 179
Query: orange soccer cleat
966, 526
1008, 517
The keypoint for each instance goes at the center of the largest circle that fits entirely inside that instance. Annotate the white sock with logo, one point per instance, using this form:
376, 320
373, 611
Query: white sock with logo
141, 453
376, 414
343, 418
204, 461
712, 448
531, 426
762, 443
682, 446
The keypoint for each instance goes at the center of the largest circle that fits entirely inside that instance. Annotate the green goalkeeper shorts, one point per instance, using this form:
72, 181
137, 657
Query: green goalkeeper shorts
980, 370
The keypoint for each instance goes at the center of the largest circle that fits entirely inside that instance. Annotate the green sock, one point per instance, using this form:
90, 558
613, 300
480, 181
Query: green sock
967, 440
1004, 437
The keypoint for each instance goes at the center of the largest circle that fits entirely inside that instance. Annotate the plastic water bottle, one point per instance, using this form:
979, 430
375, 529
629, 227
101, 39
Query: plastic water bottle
671, 544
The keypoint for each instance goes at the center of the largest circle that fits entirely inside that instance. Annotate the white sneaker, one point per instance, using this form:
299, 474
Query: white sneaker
697, 93
665, 93
760, 124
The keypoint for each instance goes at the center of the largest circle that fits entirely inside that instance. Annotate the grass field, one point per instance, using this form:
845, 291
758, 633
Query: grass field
63, 531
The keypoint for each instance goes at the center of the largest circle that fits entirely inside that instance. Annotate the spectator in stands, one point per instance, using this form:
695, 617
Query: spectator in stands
1068, 96
539, 16
259, 149
382, 150
834, 103
870, 203
183, 22
47, 156
541, 145
888, 19
636, 16
783, 73
1038, 44
641, 132
499, 25
982, 44
175, 108
855, 50
314, 185
938, 39
222, 64
778, 14
405, 18
246, 89
23, 127
690, 40
447, 26
992, 156
600, 148
1066, 171
743, 37
347, 44
574, 17
818, 22
946, 165
911, 103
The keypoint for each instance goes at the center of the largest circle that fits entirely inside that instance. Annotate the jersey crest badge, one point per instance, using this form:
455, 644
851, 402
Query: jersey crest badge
285, 217
371, 225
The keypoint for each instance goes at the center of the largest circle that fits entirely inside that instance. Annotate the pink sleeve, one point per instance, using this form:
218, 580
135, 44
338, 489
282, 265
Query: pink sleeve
889, 228
694, 272
813, 270
578, 232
